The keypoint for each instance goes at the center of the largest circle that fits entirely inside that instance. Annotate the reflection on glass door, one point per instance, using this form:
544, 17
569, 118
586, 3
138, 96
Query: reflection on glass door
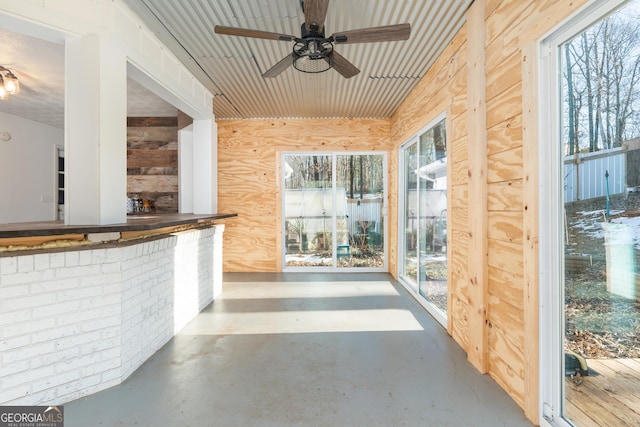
601, 237
361, 231
308, 210
423, 233
433, 216
334, 219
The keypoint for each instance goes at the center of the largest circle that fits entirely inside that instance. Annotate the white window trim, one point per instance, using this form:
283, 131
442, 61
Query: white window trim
551, 200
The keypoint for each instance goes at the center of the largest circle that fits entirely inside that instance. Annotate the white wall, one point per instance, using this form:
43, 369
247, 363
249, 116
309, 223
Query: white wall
27, 176
125, 48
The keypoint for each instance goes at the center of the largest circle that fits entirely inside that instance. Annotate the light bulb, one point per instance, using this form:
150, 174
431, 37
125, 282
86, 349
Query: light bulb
11, 84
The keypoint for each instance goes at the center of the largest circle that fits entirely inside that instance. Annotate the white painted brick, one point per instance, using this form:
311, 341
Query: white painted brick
104, 322
56, 333
100, 301
9, 292
25, 328
112, 267
31, 302
30, 352
7, 318
55, 357
112, 255
85, 257
74, 363
10, 395
83, 292
27, 377
77, 340
14, 368
83, 383
44, 382
111, 310
113, 374
103, 237
98, 256
78, 271
8, 265
97, 346
19, 278
54, 285
52, 309
101, 279
100, 367
108, 333
25, 264
71, 258
41, 262
56, 260
78, 317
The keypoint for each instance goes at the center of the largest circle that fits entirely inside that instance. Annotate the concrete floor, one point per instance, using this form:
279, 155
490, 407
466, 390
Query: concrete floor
305, 350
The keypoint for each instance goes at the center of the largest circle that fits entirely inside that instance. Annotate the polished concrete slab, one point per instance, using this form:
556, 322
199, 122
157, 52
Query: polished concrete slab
305, 350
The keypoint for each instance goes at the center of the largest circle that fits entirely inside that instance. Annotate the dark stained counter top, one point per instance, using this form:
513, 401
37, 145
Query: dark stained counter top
135, 222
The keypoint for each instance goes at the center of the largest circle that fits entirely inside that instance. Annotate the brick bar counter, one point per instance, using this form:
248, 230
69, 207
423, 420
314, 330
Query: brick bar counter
82, 307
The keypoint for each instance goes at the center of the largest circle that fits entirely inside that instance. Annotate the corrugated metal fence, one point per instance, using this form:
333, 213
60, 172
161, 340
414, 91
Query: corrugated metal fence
584, 174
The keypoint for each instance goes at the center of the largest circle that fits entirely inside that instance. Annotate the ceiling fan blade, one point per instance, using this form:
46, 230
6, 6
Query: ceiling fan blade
256, 34
282, 65
343, 66
386, 33
314, 13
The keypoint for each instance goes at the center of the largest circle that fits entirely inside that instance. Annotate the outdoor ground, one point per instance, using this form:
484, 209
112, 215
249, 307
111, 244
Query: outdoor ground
599, 324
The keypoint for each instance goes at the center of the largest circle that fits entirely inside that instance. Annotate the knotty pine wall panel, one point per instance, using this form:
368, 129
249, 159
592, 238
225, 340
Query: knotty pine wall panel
501, 136
508, 26
443, 90
249, 154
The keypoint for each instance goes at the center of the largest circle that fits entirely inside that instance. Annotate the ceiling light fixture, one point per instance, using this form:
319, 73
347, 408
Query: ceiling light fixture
9, 84
313, 55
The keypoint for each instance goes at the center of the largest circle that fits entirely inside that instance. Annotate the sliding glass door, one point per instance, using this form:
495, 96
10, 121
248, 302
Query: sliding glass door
590, 204
423, 213
334, 211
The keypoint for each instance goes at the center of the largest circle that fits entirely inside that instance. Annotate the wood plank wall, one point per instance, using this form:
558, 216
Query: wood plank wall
494, 319
152, 161
249, 153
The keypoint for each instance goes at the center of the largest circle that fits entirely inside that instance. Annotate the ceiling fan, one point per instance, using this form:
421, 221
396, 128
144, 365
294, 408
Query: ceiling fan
313, 52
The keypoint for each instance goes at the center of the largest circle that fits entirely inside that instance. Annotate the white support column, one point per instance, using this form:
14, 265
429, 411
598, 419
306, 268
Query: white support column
95, 132
185, 170
205, 153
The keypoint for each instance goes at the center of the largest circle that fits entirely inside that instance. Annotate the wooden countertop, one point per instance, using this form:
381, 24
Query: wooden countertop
135, 222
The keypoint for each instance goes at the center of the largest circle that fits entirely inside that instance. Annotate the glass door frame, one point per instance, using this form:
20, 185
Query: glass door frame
414, 288
334, 221
551, 220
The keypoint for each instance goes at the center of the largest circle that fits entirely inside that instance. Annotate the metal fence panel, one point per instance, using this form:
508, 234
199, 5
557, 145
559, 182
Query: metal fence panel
584, 176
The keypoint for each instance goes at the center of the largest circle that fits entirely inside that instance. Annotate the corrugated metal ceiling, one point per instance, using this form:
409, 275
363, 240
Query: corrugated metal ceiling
232, 67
